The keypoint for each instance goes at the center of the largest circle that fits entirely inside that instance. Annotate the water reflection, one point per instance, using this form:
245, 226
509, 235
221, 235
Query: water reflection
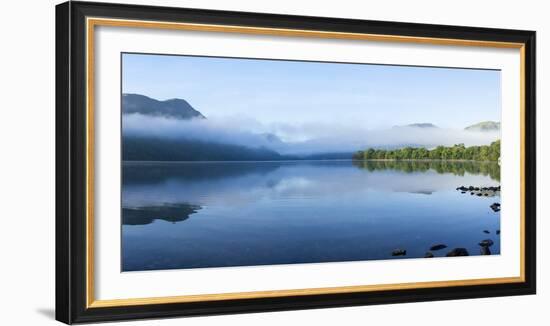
257, 213
147, 214
491, 169
136, 173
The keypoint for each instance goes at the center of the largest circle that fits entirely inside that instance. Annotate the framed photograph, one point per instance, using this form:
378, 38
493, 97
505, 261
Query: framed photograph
212, 162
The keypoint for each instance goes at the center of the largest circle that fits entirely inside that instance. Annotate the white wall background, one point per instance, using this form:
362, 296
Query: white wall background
27, 163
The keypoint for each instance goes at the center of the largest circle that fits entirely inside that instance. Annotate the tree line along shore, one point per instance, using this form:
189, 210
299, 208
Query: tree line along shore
457, 152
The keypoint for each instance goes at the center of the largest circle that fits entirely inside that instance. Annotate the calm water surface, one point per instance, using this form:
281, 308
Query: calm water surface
193, 215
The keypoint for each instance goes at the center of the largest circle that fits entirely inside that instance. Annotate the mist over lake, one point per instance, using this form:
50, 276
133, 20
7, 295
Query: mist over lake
301, 139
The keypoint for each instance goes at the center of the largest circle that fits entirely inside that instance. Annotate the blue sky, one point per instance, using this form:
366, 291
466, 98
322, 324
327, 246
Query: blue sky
298, 93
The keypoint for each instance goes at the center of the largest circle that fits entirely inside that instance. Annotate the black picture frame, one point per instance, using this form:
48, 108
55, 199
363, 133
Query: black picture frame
71, 158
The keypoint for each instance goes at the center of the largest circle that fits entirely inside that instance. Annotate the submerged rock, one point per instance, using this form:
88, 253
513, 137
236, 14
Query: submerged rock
485, 251
486, 243
399, 252
486, 231
429, 255
498, 232
438, 247
458, 252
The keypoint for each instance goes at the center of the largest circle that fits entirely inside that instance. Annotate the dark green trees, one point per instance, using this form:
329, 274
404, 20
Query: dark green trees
456, 152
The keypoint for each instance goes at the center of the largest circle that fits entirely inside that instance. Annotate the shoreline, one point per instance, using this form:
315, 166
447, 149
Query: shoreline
309, 160
422, 160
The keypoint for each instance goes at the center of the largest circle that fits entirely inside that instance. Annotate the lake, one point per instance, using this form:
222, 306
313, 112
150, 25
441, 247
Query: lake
220, 214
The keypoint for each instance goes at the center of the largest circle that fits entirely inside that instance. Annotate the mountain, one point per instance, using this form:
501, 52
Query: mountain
484, 126
174, 108
271, 138
422, 125
144, 148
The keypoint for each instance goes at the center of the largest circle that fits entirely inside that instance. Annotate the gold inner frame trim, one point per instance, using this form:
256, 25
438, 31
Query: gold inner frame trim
92, 22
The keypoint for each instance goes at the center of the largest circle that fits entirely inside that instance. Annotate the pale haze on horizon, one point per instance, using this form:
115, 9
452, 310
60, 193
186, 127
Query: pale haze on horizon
298, 95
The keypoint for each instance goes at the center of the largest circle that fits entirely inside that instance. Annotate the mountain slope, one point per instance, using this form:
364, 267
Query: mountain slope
158, 149
484, 126
174, 108
421, 125
149, 148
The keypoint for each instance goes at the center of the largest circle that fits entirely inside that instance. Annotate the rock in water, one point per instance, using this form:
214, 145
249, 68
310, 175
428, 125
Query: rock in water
486, 231
485, 251
458, 252
498, 231
486, 243
399, 252
429, 255
495, 207
438, 247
